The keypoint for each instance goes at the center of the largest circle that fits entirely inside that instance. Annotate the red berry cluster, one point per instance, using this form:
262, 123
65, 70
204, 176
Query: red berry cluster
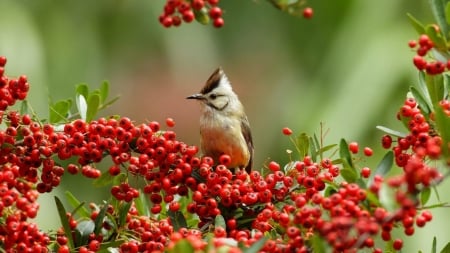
17, 195
411, 151
177, 11
423, 45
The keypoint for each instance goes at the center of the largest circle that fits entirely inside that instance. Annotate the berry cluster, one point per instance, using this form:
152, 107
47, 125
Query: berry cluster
17, 194
423, 45
411, 151
305, 198
177, 11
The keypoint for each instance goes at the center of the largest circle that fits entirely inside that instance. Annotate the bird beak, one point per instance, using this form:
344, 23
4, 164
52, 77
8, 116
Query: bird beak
196, 96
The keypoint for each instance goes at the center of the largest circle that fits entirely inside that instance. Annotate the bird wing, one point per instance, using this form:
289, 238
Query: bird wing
245, 128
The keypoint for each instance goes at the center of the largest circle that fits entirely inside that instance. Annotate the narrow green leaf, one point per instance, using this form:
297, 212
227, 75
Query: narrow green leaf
344, 153
372, 198
312, 149
446, 249
59, 111
256, 247
93, 104
423, 104
424, 87
177, 219
142, 206
425, 195
182, 245
24, 107
391, 131
124, 208
219, 221
104, 91
327, 148
82, 89
302, 144
104, 180
446, 85
329, 190
110, 246
74, 202
349, 174
438, 8
419, 27
447, 12
383, 167
85, 228
110, 102
64, 221
81, 106
436, 37
99, 219
318, 244
433, 247
435, 85
443, 128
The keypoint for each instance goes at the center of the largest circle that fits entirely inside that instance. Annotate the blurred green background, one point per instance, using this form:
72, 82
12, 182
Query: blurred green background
349, 67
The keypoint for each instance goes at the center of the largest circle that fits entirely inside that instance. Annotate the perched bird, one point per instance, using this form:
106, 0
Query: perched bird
224, 127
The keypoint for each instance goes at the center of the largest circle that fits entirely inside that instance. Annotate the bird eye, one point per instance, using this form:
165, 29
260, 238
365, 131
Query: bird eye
213, 96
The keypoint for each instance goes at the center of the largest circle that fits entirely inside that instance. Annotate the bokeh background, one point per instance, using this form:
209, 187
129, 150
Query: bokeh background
348, 68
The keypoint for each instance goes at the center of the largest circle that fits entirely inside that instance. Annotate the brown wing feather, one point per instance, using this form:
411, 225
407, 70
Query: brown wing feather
245, 128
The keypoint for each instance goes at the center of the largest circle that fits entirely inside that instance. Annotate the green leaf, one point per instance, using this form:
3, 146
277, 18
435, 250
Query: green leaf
82, 89
317, 244
124, 208
142, 204
349, 174
110, 102
383, 167
177, 219
447, 12
446, 249
99, 219
433, 247
435, 85
438, 8
104, 91
344, 153
59, 111
64, 221
312, 149
419, 27
372, 198
182, 245
391, 131
327, 148
104, 180
24, 107
329, 190
423, 87
443, 128
423, 104
84, 228
257, 246
425, 195
81, 106
93, 104
446, 85
219, 221
75, 203
302, 144
436, 37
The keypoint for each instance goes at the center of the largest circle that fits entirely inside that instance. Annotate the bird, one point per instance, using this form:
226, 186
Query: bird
224, 126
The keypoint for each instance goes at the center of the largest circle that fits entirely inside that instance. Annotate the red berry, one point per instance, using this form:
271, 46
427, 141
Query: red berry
353, 147
2, 61
398, 244
287, 131
215, 12
365, 172
218, 22
170, 122
274, 166
308, 12
412, 43
368, 151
